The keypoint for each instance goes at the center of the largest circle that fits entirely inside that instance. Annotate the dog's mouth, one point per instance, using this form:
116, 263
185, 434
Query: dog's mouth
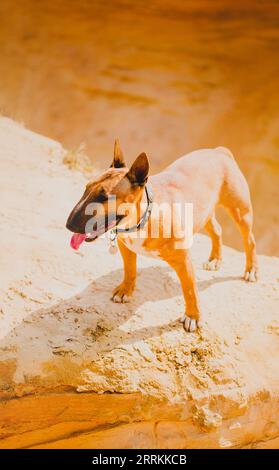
78, 238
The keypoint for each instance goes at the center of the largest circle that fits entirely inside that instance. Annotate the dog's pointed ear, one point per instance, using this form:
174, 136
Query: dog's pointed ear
138, 172
118, 158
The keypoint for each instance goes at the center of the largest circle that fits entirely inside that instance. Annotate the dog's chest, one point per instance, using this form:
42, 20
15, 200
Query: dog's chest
136, 244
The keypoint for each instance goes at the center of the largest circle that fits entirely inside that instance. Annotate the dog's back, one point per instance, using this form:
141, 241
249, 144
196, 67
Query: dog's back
206, 178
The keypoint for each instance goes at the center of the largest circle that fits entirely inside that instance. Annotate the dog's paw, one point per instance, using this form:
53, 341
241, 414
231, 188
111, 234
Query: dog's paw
121, 294
212, 265
251, 275
189, 324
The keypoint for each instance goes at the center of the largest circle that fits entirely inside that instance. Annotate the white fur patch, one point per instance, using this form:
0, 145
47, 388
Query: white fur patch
135, 243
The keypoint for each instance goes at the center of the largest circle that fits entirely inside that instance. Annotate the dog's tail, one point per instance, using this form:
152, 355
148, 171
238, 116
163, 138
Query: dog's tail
226, 151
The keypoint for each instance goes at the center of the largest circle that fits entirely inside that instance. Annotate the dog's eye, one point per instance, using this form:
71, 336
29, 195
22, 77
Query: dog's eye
102, 196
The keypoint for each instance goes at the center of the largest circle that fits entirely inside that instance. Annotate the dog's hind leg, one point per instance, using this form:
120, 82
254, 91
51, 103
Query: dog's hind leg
214, 230
244, 223
123, 292
235, 197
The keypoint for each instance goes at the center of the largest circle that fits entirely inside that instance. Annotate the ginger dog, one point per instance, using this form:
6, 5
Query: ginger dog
206, 178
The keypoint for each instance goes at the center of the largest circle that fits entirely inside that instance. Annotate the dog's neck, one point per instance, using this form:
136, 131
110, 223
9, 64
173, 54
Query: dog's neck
143, 211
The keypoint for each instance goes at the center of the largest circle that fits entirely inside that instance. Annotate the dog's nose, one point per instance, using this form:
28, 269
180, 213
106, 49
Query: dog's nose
73, 226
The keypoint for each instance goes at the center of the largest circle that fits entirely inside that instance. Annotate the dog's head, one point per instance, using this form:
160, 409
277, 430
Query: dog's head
93, 215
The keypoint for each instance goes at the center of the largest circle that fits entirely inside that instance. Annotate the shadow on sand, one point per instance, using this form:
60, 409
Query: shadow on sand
90, 323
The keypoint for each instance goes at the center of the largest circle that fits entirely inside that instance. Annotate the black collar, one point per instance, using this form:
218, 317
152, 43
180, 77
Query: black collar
144, 218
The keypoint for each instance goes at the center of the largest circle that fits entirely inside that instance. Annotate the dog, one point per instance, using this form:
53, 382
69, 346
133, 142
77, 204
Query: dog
207, 178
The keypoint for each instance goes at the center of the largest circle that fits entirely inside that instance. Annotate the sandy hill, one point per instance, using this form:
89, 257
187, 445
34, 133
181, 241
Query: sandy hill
77, 370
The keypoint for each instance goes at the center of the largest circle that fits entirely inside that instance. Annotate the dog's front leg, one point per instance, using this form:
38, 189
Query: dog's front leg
123, 292
181, 262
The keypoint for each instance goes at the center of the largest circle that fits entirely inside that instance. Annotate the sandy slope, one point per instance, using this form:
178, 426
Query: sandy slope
61, 334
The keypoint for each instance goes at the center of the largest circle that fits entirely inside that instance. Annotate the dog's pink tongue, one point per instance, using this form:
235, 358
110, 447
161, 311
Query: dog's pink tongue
77, 239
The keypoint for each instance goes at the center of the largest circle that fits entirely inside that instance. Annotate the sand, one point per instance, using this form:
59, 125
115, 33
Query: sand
77, 370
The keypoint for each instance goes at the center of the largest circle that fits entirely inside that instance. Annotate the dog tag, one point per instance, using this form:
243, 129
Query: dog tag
112, 243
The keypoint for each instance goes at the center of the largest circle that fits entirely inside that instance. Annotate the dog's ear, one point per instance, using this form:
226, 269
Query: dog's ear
118, 158
138, 172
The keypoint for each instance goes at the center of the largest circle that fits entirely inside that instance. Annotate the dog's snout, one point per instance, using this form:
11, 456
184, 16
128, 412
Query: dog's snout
70, 226
74, 223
